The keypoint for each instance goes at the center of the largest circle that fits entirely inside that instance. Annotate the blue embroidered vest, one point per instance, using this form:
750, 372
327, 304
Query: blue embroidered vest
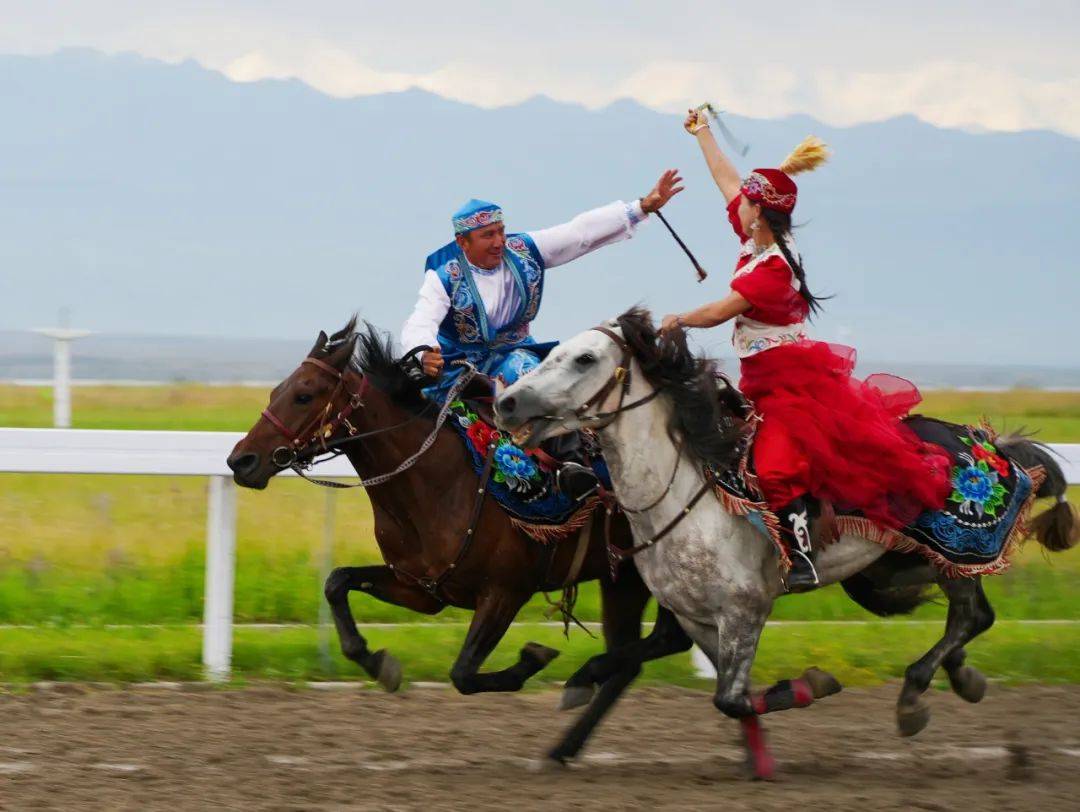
465, 332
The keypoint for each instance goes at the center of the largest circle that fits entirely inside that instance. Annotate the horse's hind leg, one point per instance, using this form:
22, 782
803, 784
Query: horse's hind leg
623, 604
968, 682
969, 615
379, 582
614, 671
494, 613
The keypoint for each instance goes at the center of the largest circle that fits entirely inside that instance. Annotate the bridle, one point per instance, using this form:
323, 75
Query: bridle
619, 378
318, 433
319, 429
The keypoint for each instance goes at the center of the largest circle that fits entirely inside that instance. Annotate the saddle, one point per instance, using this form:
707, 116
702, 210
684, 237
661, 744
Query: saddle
523, 480
973, 533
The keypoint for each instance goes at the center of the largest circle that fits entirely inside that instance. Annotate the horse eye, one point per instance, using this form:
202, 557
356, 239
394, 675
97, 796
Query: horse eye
585, 359
303, 399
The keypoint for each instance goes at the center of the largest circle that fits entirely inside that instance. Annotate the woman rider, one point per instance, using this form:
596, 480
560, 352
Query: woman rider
823, 435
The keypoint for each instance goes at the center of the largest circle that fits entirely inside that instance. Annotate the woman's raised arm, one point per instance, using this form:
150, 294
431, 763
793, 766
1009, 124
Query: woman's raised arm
723, 170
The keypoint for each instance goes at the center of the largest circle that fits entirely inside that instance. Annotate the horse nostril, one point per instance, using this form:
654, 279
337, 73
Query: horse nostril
243, 464
507, 405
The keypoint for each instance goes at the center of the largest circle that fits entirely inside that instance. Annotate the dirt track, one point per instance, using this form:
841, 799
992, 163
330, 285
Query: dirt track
272, 748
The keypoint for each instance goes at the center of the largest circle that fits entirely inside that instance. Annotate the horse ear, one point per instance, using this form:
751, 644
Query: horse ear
320, 342
347, 330
342, 353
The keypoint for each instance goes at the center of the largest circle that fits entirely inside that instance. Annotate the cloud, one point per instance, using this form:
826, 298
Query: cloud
970, 63
328, 69
950, 95
945, 94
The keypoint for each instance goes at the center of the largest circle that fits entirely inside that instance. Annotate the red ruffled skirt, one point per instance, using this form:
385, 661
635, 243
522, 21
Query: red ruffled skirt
826, 433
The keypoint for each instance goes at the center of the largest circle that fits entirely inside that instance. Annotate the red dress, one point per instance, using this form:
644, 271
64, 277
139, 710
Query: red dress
823, 431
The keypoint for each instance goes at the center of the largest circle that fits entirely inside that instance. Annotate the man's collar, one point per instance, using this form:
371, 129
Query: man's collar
483, 271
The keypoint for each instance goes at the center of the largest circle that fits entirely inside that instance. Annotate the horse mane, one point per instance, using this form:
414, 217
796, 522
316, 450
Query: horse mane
710, 424
373, 356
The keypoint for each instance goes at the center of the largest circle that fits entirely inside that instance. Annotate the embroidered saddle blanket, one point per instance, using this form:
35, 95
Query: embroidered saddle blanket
520, 482
973, 533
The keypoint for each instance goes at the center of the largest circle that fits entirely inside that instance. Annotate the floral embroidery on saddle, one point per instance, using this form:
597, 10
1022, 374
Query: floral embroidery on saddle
520, 482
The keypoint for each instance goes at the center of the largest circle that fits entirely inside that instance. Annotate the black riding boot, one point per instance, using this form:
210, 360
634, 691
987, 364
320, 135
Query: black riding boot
795, 531
573, 477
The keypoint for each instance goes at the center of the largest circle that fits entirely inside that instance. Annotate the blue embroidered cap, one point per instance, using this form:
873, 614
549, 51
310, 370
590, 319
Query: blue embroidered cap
476, 214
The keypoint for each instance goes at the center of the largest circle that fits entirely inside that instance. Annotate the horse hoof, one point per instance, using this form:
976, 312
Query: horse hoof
387, 670
576, 696
910, 719
539, 655
822, 683
969, 684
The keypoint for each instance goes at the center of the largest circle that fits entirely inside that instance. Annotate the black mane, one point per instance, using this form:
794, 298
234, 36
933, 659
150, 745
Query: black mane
710, 420
374, 358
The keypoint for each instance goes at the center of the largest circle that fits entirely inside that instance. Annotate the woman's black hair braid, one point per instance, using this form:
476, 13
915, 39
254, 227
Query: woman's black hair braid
780, 225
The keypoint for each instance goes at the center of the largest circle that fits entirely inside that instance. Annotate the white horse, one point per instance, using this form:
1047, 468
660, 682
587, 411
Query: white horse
655, 410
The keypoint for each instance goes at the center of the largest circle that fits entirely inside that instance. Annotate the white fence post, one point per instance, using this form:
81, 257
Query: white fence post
220, 570
703, 666
326, 563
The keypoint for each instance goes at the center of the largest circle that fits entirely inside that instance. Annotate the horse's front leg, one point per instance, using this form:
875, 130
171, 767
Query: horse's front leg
731, 642
733, 646
379, 582
494, 613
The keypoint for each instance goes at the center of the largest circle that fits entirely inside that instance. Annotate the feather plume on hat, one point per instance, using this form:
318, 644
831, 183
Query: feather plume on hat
810, 154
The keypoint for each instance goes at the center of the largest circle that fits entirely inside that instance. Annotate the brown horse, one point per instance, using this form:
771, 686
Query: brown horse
350, 394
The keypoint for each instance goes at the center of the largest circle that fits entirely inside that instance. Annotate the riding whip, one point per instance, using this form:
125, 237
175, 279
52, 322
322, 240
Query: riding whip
729, 136
701, 272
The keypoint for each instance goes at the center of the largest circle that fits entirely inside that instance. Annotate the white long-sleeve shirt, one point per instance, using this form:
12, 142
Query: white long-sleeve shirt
557, 245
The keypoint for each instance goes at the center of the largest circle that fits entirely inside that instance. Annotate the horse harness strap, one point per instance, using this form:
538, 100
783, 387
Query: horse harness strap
620, 378
319, 429
617, 555
584, 537
431, 585
407, 463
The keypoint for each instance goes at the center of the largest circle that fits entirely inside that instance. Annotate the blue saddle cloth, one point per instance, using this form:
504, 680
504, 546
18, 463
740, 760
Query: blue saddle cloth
971, 534
520, 484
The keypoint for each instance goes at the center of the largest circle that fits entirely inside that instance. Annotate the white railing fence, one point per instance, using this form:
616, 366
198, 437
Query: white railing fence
164, 453
198, 453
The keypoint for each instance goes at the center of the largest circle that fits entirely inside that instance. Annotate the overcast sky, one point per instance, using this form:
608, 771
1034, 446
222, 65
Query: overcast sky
989, 64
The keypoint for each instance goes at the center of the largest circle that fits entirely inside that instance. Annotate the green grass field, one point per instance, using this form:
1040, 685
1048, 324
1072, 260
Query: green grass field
96, 550
858, 654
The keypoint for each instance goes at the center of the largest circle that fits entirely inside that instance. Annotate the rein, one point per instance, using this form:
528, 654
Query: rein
321, 431
621, 377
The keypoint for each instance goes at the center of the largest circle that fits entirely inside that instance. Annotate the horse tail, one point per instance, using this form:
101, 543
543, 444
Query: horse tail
886, 601
1057, 528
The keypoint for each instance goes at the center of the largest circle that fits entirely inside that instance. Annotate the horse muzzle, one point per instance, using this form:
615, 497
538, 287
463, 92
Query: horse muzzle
247, 468
523, 416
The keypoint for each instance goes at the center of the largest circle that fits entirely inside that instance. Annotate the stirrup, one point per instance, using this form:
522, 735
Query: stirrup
802, 577
576, 481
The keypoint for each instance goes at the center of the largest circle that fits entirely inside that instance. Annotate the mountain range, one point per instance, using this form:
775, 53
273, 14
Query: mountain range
149, 198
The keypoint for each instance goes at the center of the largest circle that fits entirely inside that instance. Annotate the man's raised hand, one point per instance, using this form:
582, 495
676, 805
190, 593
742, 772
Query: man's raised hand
665, 189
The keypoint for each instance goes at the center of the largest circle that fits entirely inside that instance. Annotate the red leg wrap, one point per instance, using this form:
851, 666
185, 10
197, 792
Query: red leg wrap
785, 695
761, 760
